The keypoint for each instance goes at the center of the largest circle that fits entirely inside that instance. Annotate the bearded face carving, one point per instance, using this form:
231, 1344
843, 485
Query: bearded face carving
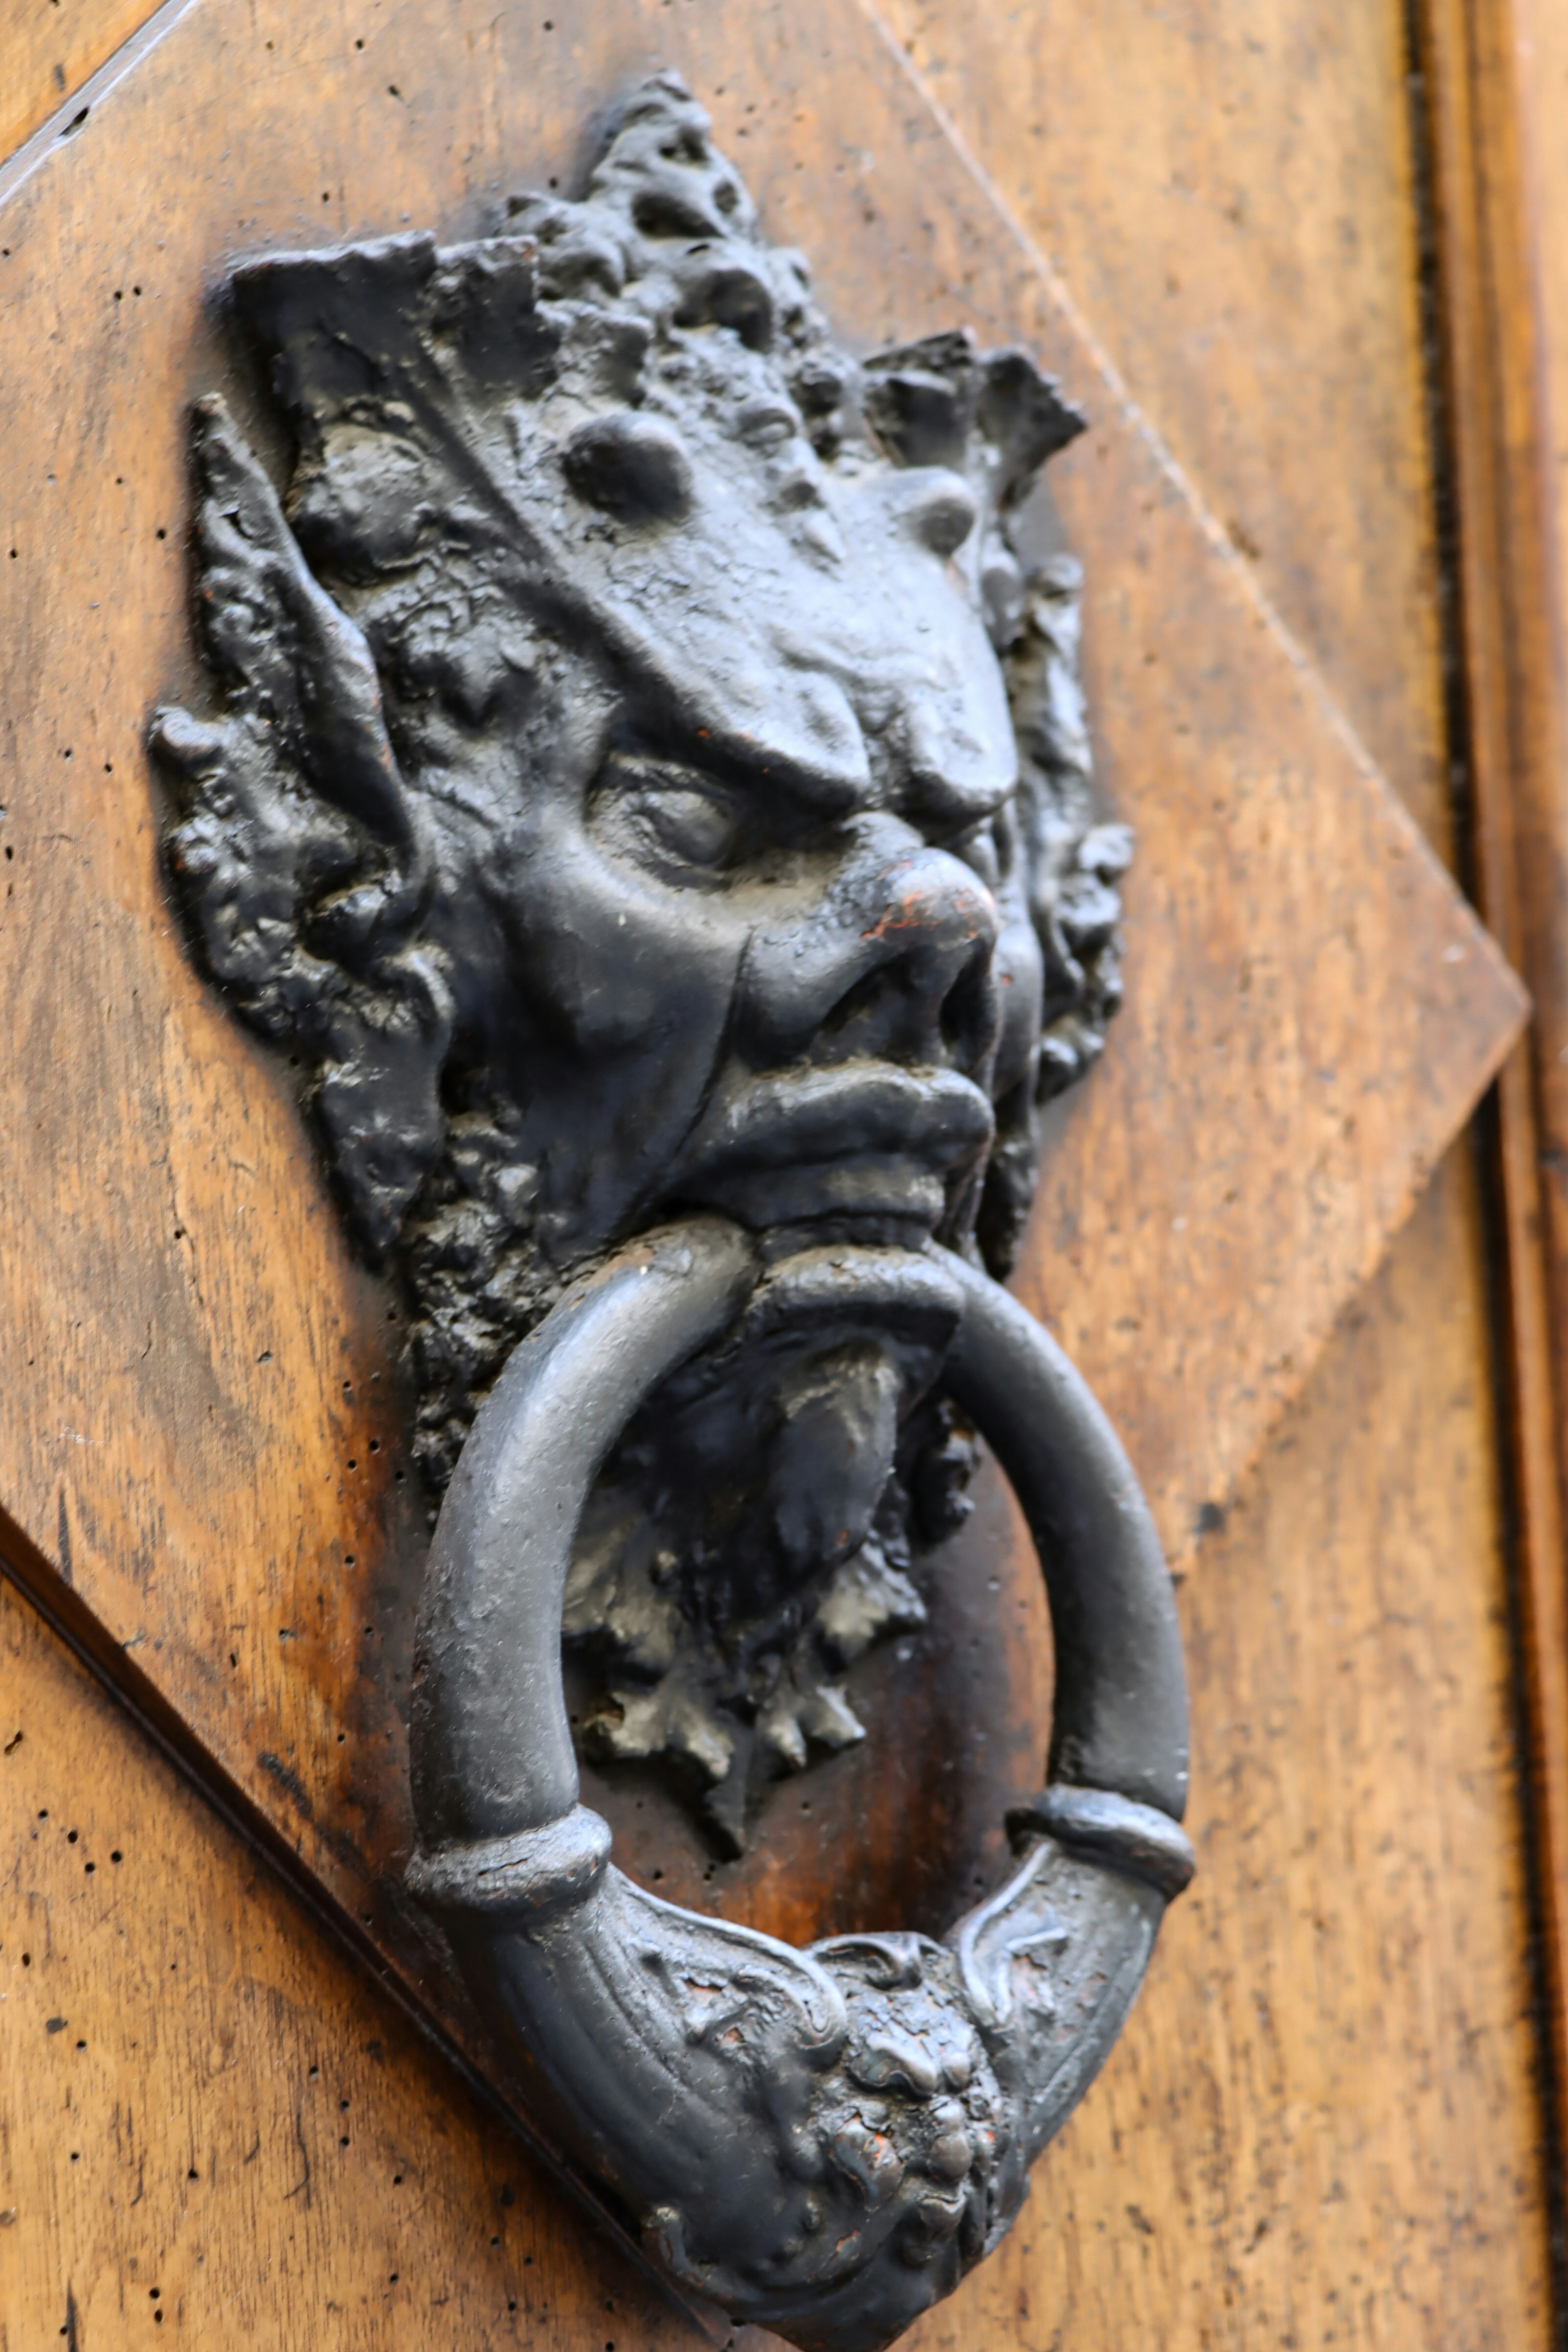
651, 777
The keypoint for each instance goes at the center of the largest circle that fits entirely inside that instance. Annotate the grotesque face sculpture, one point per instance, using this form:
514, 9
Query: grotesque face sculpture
653, 777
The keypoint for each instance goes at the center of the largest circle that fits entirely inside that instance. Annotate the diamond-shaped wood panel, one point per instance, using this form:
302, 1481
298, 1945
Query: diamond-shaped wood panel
203, 1423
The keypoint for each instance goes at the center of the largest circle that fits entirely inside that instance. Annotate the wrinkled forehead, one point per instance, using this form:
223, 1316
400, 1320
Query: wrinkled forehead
823, 626
624, 414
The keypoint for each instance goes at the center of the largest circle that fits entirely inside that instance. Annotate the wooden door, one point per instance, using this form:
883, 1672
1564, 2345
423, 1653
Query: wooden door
1312, 319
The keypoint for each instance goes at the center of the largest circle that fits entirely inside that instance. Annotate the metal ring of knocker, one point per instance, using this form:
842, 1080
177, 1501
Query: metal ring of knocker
821, 2140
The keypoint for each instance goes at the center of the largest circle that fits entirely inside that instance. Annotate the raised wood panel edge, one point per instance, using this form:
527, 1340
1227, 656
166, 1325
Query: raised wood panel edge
884, 20
36, 114
48, 49
25, 1569
1512, 712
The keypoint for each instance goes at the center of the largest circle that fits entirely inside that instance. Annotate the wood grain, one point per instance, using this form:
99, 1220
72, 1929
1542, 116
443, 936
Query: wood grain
1543, 86
1231, 200
1228, 194
204, 1418
1320, 2127
1118, 213
50, 47
213, 2128
1487, 144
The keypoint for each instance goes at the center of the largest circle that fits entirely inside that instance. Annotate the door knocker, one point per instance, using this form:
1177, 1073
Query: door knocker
651, 804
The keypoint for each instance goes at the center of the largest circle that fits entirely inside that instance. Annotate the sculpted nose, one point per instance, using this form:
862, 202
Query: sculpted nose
895, 962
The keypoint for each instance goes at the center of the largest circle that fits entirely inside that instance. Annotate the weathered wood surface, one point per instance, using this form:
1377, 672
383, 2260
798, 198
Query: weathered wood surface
1543, 79
49, 49
1539, 88
1252, 102
203, 1423
1319, 2128
1322, 2115
213, 2128
1246, 103
1228, 193
1492, 135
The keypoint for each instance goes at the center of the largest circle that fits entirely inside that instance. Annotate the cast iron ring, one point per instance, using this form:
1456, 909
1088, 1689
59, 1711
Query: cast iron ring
823, 2140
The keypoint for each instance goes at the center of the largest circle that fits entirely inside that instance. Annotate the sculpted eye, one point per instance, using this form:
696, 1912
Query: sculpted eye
691, 823
662, 811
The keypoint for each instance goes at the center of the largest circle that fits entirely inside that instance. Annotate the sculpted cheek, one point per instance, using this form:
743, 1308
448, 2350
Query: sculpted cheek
618, 962
1019, 972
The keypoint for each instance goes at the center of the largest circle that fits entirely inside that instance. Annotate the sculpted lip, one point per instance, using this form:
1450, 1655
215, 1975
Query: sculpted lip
865, 1139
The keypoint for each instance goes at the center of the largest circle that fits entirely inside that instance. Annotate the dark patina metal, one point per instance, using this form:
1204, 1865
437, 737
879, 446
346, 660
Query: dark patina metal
651, 801
823, 2140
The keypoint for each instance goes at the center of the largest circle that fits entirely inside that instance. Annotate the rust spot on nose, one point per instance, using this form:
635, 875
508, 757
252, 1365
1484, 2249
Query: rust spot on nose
913, 911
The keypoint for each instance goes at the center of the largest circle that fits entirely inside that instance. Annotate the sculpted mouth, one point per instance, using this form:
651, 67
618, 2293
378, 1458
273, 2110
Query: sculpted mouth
862, 1144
